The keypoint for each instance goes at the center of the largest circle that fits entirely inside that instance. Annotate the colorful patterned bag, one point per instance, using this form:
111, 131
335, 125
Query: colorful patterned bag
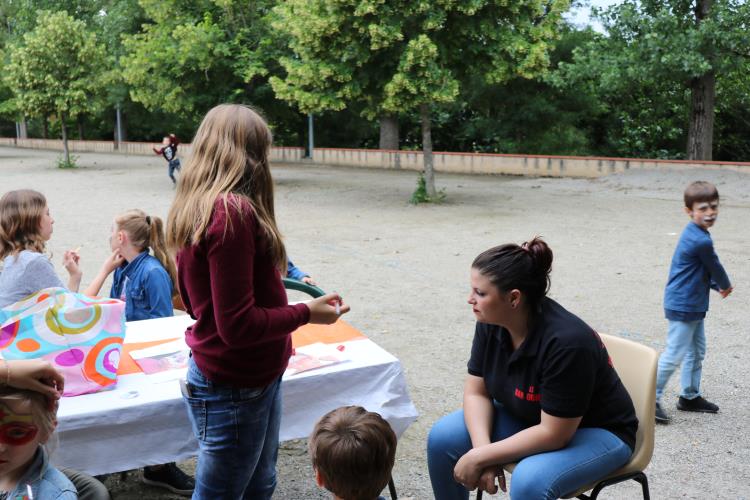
81, 336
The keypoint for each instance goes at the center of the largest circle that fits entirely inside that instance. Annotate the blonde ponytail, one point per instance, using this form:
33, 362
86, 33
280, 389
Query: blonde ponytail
145, 232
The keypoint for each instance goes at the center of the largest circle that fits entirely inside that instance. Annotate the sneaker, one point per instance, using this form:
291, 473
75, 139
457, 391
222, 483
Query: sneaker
170, 477
661, 415
697, 404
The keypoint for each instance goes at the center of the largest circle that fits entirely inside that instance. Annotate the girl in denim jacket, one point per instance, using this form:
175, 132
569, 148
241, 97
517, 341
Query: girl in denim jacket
146, 283
26, 423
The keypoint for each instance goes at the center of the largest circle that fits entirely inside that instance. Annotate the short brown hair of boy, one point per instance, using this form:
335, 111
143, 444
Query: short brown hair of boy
353, 450
700, 191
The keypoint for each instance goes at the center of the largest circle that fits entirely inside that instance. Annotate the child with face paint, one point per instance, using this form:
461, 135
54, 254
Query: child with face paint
26, 424
694, 271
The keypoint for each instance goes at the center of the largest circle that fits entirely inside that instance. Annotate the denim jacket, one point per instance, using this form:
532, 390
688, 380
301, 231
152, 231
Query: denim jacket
46, 482
294, 272
148, 293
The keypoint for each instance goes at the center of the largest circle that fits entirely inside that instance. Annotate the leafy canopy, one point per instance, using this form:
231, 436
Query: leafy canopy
397, 55
56, 68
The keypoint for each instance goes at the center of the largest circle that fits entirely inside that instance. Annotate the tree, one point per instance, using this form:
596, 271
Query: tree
394, 57
56, 70
660, 60
190, 57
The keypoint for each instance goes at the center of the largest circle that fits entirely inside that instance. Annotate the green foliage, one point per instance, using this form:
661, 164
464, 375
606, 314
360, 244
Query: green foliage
395, 56
57, 67
640, 70
480, 66
190, 56
69, 162
420, 193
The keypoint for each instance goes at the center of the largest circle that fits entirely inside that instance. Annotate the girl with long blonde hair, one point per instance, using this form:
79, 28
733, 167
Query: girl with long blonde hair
25, 228
230, 256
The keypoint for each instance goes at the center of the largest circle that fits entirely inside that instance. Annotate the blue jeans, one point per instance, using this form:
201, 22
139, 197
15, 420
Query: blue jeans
172, 166
238, 437
686, 344
591, 454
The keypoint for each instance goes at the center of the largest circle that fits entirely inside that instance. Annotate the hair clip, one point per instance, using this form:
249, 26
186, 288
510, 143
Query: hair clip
148, 220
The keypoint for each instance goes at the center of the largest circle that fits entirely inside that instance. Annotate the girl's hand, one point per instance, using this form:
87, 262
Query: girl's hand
35, 375
112, 262
324, 310
487, 480
70, 262
467, 471
309, 280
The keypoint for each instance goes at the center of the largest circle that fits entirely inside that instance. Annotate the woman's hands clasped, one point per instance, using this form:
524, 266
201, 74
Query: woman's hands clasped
327, 309
471, 475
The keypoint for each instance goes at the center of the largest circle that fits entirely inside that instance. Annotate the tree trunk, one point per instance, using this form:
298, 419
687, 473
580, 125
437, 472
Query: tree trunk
23, 132
389, 132
118, 126
429, 172
701, 127
64, 129
45, 128
703, 93
79, 120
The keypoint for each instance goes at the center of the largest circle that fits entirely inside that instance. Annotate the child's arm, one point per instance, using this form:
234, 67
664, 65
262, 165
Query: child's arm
719, 279
298, 274
158, 151
110, 264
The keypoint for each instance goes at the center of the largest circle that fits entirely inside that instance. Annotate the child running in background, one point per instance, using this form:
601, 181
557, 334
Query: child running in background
230, 256
25, 228
694, 271
169, 152
353, 451
26, 423
145, 283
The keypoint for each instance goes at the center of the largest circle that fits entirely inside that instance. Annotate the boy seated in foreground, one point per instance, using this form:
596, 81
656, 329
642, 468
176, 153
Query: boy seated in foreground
352, 453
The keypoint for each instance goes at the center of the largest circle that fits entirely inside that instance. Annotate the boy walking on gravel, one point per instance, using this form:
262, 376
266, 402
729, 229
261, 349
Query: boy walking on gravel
695, 268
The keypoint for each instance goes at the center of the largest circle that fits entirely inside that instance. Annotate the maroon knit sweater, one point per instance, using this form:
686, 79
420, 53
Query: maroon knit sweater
230, 286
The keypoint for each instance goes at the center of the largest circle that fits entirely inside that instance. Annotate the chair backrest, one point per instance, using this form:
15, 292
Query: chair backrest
636, 365
311, 290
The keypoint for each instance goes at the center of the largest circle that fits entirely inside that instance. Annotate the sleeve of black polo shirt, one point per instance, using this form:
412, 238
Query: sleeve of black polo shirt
568, 376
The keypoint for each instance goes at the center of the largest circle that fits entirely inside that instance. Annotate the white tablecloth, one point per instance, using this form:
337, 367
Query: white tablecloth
143, 421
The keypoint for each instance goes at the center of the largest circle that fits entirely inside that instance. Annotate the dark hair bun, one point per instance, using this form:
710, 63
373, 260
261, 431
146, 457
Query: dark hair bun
541, 254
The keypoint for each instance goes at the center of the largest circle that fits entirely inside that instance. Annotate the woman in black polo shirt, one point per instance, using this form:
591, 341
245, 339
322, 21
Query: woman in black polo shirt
541, 390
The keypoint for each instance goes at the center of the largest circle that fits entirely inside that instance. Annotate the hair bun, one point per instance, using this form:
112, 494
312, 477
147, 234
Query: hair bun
540, 253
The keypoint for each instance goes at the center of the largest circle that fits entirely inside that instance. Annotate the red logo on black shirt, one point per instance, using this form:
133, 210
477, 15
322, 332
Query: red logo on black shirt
530, 394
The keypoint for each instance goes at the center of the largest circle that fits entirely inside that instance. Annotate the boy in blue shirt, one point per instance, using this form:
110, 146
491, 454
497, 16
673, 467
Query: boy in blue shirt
695, 268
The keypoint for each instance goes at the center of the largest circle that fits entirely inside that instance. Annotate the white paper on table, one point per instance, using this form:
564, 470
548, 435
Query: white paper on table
163, 357
312, 357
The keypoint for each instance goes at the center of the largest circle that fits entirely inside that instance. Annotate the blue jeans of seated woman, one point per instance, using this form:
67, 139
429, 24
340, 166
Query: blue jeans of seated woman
238, 436
591, 454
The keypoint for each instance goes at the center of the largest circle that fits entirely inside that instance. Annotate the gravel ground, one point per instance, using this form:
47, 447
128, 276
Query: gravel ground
405, 269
